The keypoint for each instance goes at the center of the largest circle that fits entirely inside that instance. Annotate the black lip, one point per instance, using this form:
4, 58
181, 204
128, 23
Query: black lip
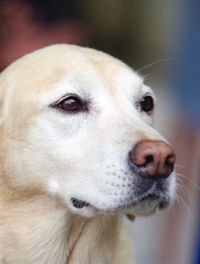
150, 197
78, 203
163, 203
162, 199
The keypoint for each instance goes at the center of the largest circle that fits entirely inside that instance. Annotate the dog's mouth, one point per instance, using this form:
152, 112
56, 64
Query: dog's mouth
153, 196
164, 203
79, 204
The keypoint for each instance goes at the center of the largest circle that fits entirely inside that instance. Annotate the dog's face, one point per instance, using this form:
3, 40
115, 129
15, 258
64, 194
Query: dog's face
77, 123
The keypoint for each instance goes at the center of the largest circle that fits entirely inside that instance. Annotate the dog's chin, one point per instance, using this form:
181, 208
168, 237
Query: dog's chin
142, 206
148, 206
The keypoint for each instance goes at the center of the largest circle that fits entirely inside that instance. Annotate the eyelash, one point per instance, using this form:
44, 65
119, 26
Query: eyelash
83, 105
60, 104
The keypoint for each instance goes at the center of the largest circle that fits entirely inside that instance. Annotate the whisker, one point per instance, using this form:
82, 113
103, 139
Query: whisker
180, 166
179, 204
181, 185
181, 199
183, 189
189, 180
151, 76
153, 63
187, 208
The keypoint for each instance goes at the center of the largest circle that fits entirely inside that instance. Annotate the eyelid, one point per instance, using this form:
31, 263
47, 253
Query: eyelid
83, 102
137, 103
148, 94
66, 96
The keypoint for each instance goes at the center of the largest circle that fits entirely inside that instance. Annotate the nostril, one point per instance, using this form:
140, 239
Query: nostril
169, 161
171, 158
149, 159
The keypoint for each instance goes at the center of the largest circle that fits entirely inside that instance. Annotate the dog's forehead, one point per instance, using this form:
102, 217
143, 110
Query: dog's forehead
91, 71
41, 70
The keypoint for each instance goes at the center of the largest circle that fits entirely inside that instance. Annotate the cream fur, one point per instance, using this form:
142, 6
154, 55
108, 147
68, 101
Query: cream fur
47, 157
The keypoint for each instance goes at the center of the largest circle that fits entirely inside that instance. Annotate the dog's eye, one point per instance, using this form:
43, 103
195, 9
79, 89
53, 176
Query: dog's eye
147, 104
71, 104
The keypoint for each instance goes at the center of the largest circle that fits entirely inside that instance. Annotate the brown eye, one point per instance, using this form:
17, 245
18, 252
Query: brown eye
71, 104
147, 104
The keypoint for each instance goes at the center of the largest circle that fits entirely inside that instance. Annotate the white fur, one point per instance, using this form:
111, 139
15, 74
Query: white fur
49, 157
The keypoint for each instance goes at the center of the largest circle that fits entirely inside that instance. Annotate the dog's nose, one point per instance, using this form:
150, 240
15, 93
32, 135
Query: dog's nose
153, 158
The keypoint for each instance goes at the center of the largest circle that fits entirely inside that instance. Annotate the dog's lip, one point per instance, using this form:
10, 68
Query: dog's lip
163, 201
79, 204
150, 197
139, 200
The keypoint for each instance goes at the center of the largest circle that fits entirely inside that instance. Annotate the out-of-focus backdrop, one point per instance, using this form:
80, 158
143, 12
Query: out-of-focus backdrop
161, 39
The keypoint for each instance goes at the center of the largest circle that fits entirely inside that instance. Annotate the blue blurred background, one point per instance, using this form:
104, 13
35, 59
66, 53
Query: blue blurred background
162, 39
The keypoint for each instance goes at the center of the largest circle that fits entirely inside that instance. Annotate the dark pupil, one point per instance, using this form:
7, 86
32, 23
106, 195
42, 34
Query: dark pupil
147, 104
71, 104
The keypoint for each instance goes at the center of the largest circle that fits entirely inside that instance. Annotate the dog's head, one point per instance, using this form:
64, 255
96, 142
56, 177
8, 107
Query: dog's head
77, 123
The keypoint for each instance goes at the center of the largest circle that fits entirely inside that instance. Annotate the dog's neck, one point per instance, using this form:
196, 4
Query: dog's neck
95, 241
46, 232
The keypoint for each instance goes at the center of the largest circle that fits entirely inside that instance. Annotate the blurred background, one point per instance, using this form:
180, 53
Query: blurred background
160, 39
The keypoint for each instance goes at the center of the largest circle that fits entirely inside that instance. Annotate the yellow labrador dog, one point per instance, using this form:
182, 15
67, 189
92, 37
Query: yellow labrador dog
77, 152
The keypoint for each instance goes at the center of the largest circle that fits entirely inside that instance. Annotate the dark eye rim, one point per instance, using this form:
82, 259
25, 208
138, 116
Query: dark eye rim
83, 104
148, 111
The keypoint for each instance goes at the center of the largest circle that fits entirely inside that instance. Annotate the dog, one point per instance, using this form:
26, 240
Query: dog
78, 151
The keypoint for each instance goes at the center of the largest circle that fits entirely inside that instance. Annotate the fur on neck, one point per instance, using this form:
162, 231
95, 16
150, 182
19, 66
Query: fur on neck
40, 229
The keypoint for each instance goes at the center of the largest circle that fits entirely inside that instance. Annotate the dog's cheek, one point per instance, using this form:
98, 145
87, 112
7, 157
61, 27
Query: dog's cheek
53, 186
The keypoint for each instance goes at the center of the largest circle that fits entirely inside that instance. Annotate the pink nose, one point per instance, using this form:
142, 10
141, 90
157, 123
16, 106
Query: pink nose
153, 158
